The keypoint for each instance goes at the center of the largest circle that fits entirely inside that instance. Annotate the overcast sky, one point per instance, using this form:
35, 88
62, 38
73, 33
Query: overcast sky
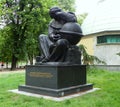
83, 6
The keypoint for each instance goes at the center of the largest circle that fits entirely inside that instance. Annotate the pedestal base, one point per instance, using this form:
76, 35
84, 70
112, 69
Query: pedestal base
55, 80
56, 92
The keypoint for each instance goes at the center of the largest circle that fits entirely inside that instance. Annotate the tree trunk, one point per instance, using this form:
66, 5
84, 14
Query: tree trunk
31, 61
14, 62
7, 64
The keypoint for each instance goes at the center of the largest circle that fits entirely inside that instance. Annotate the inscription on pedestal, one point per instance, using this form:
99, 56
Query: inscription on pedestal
40, 74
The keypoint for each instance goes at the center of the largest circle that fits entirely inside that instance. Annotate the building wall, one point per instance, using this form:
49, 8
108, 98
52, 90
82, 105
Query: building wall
88, 42
107, 51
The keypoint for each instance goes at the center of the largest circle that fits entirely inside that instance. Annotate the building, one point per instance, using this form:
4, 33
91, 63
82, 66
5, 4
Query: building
101, 30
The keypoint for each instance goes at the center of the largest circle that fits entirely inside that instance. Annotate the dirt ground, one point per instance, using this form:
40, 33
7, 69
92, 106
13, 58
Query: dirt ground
9, 71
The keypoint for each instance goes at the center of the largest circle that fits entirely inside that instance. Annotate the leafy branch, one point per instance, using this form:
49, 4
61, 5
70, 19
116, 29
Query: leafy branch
89, 59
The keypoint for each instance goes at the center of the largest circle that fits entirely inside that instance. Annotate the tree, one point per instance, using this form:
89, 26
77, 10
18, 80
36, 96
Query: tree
20, 17
31, 48
118, 53
89, 59
25, 20
5, 47
68, 5
81, 18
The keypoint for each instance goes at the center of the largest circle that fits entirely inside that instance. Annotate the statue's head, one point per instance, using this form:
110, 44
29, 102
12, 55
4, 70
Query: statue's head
53, 12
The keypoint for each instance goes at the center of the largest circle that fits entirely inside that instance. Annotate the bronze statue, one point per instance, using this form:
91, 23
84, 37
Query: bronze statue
63, 34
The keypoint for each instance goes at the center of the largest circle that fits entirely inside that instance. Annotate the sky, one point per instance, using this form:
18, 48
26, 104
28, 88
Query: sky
85, 6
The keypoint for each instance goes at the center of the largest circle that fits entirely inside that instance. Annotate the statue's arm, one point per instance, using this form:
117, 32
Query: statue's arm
53, 33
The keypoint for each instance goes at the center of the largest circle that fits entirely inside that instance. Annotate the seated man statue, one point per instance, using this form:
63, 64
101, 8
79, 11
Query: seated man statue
63, 34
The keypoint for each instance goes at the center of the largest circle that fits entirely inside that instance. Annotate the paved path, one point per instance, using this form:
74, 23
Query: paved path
16, 71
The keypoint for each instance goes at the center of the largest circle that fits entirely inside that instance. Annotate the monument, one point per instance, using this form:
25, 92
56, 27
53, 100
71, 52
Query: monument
58, 71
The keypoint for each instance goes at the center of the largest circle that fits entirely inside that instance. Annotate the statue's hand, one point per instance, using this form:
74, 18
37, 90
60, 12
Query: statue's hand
56, 32
56, 37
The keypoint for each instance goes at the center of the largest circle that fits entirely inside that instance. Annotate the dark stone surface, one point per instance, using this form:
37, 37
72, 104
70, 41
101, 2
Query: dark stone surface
55, 79
63, 33
73, 55
55, 76
56, 92
72, 32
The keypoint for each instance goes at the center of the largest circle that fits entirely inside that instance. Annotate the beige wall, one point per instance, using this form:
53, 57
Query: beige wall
88, 42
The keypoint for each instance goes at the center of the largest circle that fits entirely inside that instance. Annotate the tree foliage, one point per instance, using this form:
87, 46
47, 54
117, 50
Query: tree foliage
23, 18
118, 53
5, 46
68, 5
81, 18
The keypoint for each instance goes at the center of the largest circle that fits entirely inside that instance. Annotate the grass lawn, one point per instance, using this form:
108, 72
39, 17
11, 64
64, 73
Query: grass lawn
107, 96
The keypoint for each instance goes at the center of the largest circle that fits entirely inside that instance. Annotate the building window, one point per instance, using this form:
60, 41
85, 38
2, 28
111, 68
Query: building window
108, 39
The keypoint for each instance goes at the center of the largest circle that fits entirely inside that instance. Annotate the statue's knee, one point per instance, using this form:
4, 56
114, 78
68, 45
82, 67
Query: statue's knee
62, 42
42, 36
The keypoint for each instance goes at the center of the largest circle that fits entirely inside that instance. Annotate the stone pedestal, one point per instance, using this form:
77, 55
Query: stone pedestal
55, 80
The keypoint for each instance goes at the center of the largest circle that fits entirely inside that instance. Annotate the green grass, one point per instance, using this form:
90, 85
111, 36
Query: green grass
107, 96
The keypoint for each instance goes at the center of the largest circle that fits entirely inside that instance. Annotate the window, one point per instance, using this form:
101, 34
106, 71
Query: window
108, 39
